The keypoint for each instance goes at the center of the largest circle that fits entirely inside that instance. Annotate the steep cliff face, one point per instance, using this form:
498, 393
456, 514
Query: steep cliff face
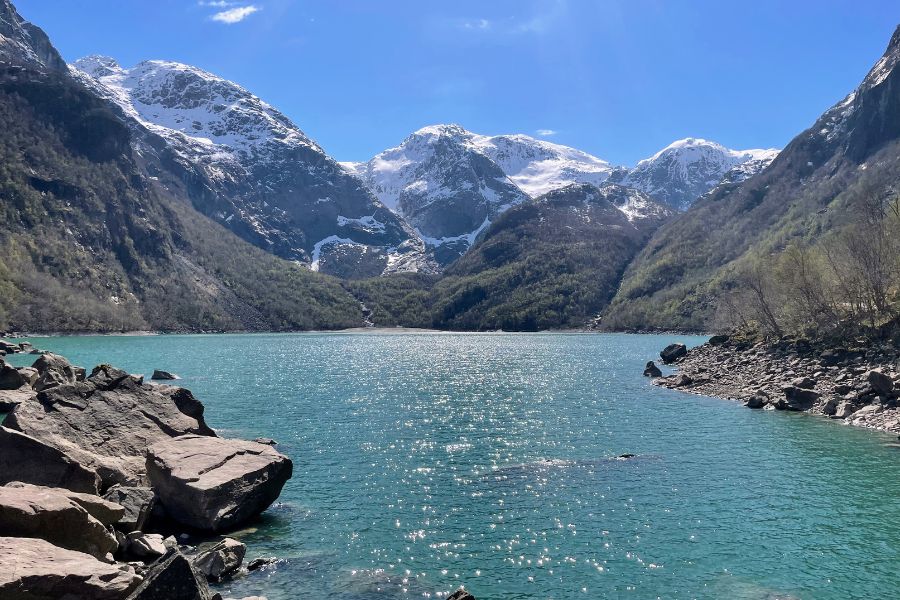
25, 44
247, 166
803, 195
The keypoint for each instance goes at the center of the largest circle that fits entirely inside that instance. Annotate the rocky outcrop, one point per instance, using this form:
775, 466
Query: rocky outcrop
107, 421
23, 458
59, 517
172, 578
34, 569
10, 377
215, 484
221, 560
857, 385
53, 370
672, 352
10, 399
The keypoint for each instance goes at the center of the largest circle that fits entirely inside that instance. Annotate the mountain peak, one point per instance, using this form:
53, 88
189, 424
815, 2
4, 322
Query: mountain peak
442, 129
20, 41
97, 65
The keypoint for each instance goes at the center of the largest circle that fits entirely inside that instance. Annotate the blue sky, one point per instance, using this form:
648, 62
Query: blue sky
619, 79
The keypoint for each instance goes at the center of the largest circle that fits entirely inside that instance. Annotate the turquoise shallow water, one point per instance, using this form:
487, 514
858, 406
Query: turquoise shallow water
426, 461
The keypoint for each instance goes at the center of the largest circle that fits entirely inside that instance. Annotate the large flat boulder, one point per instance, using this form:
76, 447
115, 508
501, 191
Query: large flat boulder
172, 578
106, 422
10, 399
60, 517
215, 484
24, 458
34, 569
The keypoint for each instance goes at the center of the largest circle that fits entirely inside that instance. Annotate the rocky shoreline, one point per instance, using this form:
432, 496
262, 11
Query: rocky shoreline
113, 488
858, 384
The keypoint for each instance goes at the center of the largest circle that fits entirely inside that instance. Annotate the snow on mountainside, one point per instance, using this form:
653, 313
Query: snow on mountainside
248, 166
441, 182
686, 169
24, 43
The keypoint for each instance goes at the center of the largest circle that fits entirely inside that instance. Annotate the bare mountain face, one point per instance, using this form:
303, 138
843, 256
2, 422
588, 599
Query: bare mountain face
246, 165
22, 43
809, 191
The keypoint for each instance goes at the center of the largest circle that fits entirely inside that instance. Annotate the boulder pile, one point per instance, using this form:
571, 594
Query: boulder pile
96, 468
859, 384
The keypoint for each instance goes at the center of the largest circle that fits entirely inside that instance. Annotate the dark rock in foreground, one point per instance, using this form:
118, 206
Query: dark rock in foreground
23, 458
215, 484
34, 569
172, 578
672, 352
461, 594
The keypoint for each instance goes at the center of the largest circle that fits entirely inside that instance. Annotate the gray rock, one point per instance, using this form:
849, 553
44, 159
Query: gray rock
145, 545
10, 399
461, 594
53, 370
844, 410
107, 422
718, 340
756, 401
34, 569
172, 578
138, 503
23, 458
215, 484
806, 383
672, 352
798, 398
830, 407
258, 563
53, 515
10, 378
28, 374
880, 381
221, 560
681, 380
164, 375
651, 370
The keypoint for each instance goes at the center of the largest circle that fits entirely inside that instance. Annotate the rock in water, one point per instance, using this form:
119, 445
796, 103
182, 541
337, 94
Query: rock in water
672, 352
215, 484
221, 560
50, 514
164, 375
798, 398
172, 578
107, 422
34, 569
138, 504
651, 370
23, 458
461, 594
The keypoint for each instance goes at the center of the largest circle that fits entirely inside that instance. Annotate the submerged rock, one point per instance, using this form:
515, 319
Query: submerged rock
55, 516
35, 569
461, 594
672, 352
215, 484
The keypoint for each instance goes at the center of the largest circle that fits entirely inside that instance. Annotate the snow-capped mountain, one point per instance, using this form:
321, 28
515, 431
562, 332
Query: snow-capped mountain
248, 166
686, 169
443, 184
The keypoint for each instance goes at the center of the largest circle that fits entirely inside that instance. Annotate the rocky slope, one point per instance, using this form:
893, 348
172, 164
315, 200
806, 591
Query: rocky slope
95, 236
857, 385
247, 166
811, 190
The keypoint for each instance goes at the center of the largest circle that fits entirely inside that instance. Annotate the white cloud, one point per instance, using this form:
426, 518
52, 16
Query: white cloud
235, 15
546, 132
476, 24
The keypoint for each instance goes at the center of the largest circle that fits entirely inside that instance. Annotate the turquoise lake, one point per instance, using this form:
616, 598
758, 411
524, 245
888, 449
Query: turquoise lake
423, 462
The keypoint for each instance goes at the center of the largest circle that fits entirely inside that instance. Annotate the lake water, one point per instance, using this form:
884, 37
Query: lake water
428, 461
